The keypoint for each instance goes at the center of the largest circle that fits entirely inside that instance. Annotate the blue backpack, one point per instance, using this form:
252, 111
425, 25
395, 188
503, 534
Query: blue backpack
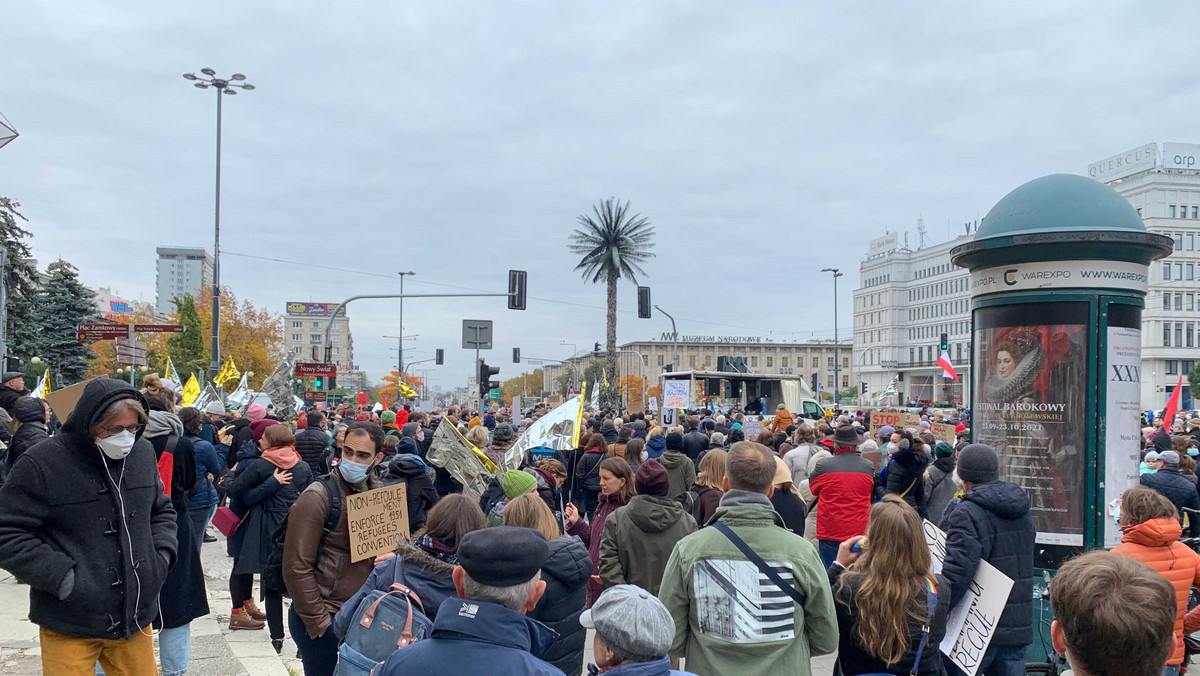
383, 622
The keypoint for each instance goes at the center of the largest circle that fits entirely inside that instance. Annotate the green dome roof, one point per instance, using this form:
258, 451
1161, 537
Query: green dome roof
1060, 203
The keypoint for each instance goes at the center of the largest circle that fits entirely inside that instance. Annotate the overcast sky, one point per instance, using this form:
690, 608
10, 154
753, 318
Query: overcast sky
764, 141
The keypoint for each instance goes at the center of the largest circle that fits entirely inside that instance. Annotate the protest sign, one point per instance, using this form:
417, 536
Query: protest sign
752, 427
653, 404
972, 622
676, 393
893, 419
668, 417
943, 432
377, 518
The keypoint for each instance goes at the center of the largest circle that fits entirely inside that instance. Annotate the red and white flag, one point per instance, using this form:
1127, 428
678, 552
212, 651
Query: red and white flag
1172, 406
947, 367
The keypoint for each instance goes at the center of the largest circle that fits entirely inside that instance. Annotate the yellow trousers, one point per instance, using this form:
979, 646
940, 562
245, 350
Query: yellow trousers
64, 655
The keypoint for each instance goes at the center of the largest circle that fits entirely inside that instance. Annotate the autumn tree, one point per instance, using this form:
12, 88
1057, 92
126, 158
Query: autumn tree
188, 350
104, 361
63, 303
389, 388
519, 385
251, 336
20, 281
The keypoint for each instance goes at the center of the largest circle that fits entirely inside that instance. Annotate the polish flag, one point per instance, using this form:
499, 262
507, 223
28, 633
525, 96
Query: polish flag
947, 367
1172, 406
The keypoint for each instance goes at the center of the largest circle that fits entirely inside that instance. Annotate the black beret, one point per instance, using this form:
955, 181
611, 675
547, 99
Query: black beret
503, 556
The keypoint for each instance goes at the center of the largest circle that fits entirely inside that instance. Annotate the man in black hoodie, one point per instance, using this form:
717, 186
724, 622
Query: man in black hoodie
993, 524
85, 523
313, 444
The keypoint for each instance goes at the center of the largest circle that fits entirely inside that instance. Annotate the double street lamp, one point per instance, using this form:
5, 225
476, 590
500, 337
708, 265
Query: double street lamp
228, 87
837, 362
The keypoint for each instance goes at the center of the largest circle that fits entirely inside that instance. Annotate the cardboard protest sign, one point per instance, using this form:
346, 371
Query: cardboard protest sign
943, 432
893, 419
653, 404
676, 393
63, 401
752, 427
667, 417
378, 519
972, 622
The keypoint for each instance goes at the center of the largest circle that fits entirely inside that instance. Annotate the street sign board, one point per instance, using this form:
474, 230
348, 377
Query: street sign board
90, 332
477, 334
310, 369
315, 396
494, 394
127, 348
159, 328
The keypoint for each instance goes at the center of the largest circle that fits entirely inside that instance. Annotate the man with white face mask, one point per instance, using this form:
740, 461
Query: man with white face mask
85, 523
316, 565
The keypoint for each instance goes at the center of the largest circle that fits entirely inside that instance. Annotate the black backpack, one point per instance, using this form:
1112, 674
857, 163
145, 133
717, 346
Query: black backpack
690, 500
272, 575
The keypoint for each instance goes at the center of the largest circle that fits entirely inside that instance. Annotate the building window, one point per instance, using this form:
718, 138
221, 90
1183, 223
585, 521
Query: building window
1179, 241
660, 360
297, 325
1166, 271
911, 358
1179, 271
800, 362
296, 337
337, 325
1172, 367
1189, 272
1190, 302
335, 339
1178, 334
1179, 302
1171, 210
770, 362
845, 362
316, 337
1191, 242
829, 362
707, 361
337, 350
959, 353
692, 360
1186, 365
1191, 334
783, 361
829, 382
754, 361
1166, 334
845, 381
1195, 212
1166, 301
316, 325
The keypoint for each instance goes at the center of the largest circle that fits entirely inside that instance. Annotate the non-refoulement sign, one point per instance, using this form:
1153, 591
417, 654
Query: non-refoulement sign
378, 519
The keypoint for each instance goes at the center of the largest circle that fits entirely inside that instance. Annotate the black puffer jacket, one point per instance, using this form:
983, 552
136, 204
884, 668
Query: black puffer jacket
993, 524
418, 487
267, 503
32, 415
565, 574
311, 444
1177, 488
695, 443
906, 475
940, 488
59, 514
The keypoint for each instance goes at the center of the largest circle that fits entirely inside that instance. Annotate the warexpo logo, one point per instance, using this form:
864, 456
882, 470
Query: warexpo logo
1010, 277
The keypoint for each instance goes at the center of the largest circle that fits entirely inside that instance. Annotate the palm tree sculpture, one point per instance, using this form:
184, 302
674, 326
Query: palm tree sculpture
613, 244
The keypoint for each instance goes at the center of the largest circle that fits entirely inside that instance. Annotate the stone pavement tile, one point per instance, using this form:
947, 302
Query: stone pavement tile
205, 626
265, 666
252, 649
217, 666
209, 646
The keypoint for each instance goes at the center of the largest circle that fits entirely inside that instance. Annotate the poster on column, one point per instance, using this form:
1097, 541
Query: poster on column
676, 393
1122, 422
1031, 406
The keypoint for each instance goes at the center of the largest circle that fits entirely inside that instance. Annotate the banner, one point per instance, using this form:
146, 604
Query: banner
43, 386
896, 420
1030, 405
378, 520
516, 411
171, 373
676, 393
207, 397
278, 386
595, 400
468, 465
972, 622
652, 404
242, 395
191, 391
1122, 415
557, 430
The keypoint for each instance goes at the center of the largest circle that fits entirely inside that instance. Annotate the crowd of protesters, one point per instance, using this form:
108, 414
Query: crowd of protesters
690, 547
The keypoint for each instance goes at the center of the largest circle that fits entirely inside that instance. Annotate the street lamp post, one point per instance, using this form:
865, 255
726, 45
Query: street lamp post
400, 347
400, 341
229, 87
837, 363
571, 360
674, 341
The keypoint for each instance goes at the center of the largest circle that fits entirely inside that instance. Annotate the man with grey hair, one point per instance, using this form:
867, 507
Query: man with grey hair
498, 577
723, 625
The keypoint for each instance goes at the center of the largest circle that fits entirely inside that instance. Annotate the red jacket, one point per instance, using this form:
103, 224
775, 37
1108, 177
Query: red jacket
843, 485
1156, 544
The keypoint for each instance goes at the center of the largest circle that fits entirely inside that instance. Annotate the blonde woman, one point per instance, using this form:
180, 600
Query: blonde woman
705, 494
884, 596
565, 574
656, 443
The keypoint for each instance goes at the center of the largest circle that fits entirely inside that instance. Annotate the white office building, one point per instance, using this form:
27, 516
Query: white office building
178, 272
905, 301
907, 298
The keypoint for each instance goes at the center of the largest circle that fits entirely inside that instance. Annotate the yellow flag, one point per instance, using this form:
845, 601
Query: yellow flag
407, 391
228, 372
45, 385
190, 391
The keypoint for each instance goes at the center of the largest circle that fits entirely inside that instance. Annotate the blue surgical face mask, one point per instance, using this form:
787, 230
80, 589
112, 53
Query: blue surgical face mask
1193, 452
354, 473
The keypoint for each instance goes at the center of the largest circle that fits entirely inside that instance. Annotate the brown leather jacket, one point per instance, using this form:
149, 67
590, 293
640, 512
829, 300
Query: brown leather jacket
319, 589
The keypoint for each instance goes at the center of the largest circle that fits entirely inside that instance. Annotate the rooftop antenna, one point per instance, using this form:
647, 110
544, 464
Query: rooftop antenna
921, 233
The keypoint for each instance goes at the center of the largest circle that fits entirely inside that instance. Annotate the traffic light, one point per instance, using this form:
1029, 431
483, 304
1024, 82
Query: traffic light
644, 302
596, 350
485, 382
319, 383
944, 346
439, 356
332, 382
813, 383
516, 355
516, 289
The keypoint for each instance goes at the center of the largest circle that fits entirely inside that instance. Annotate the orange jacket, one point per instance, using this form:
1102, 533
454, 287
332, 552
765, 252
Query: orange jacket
1156, 544
781, 421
